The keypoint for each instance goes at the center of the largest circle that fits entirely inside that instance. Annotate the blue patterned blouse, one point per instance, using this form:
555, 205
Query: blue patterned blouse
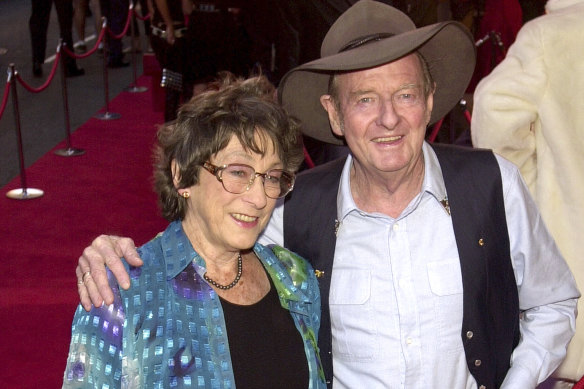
168, 329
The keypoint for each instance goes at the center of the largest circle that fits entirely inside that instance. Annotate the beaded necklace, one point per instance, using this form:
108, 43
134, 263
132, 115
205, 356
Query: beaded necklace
233, 283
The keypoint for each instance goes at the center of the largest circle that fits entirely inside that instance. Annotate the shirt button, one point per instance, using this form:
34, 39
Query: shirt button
469, 334
478, 362
396, 227
409, 340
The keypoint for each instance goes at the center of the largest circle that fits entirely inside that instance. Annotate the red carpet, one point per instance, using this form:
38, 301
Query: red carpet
106, 190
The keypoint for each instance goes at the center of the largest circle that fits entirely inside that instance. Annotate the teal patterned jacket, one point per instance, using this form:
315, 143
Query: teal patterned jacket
168, 329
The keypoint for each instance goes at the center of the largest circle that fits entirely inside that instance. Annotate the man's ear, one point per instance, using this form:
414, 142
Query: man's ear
175, 169
430, 105
331, 108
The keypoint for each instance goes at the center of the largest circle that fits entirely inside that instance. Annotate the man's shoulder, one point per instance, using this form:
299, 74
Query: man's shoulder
460, 157
473, 157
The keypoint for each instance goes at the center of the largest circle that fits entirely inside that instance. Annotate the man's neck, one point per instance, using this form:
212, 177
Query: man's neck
386, 192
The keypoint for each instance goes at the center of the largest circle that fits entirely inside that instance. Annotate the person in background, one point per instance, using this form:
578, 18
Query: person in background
211, 308
218, 40
39, 24
116, 13
170, 43
529, 110
434, 265
81, 10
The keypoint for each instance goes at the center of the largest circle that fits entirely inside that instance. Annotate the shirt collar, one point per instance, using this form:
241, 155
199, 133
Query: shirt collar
433, 183
179, 253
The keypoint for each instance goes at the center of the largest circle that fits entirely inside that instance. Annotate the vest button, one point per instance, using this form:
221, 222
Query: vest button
481, 242
478, 362
482, 387
469, 334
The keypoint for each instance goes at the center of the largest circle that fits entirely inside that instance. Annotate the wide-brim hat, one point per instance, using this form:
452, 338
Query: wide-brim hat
447, 47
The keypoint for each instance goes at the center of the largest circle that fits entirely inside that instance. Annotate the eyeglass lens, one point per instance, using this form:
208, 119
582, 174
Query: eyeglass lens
238, 179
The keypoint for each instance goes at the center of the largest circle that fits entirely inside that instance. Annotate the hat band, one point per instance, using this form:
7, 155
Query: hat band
364, 40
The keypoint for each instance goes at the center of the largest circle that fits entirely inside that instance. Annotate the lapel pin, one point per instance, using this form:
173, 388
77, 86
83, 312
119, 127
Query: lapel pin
446, 205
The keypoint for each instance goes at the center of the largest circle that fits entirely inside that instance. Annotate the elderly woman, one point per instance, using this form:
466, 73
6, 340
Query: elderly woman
211, 308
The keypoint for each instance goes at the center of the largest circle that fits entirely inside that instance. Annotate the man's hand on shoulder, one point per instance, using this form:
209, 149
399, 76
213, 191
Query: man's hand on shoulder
105, 250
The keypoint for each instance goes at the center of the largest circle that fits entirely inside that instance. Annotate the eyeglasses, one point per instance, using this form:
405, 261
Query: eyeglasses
238, 178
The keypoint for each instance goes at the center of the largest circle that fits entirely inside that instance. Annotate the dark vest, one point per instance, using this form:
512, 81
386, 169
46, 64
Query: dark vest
490, 326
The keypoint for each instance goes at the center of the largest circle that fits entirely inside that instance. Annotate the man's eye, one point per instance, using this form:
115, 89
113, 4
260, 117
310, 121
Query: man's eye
407, 98
365, 100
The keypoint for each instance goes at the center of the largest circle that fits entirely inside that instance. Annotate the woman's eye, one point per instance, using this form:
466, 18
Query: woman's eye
273, 179
238, 173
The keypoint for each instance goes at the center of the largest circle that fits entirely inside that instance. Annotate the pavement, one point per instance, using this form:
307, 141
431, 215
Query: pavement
42, 117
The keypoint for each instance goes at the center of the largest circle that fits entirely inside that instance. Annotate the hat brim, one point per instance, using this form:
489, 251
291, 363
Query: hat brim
447, 47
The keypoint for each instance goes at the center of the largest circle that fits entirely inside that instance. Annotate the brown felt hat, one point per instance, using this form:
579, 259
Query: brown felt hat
370, 34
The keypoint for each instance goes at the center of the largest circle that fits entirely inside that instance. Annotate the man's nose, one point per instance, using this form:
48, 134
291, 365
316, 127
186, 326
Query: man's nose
388, 116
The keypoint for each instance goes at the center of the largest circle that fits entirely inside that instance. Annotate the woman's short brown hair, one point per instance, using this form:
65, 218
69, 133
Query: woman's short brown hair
206, 124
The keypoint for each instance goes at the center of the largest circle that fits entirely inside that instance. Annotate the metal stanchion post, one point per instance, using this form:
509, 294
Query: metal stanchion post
23, 193
133, 88
69, 151
107, 115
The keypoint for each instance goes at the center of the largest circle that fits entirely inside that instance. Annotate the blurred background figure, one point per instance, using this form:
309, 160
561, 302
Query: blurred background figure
169, 43
38, 25
82, 10
218, 39
116, 12
530, 110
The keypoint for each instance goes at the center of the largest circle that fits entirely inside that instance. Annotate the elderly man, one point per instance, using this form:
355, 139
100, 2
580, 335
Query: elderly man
436, 266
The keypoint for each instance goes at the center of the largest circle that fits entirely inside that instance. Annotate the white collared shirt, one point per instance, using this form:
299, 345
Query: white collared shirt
396, 290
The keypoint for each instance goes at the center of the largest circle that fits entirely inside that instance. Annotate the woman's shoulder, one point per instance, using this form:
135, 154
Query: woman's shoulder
280, 258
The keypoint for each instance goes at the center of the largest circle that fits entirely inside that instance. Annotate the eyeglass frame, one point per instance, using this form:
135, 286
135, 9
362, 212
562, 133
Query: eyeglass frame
218, 170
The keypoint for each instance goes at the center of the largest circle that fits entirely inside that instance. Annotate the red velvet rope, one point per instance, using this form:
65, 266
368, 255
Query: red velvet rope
5, 98
579, 384
435, 130
47, 82
123, 33
90, 51
72, 54
146, 17
307, 158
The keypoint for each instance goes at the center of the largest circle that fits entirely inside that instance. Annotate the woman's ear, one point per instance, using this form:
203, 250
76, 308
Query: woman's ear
175, 170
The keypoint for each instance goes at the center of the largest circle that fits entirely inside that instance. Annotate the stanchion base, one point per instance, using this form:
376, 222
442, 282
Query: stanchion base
108, 116
69, 152
136, 89
24, 194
